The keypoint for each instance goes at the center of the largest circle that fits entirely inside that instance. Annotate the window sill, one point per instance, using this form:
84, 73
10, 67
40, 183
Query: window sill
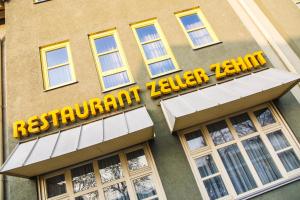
271, 187
207, 45
167, 73
60, 86
116, 88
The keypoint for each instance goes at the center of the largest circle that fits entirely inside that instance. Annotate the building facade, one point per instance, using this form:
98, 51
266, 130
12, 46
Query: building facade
179, 100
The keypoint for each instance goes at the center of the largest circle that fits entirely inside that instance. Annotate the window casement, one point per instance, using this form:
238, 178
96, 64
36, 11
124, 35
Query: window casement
242, 155
154, 47
196, 28
57, 65
110, 59
128, 175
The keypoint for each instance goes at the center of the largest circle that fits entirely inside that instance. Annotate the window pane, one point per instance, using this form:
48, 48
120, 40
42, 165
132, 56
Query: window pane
264, 117
161, 67
83, 178
144, 187
105, 44
60, 75
56, 186
219, 132
243, 124
136, 160
56, 57
147, 33
89, 196
206, 166
200, 37
237, 169
115, 79
110, 168
278, 140
154, 50
261, 160
195, 140
289, 160
110, 61
215, 187
116, 192
191, 21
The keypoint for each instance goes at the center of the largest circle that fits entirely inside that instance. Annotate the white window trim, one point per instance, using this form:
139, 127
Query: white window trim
211, 149
128, 177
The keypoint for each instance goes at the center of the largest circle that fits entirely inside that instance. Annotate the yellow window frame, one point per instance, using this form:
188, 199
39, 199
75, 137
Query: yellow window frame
162, 38
206, 26
45, 69
114, 33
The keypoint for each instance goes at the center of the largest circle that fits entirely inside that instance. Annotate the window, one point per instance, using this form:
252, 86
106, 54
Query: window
129, 174
39, 1
196, 28
243, 154
297, 3
155, 49
111, 62
57, 65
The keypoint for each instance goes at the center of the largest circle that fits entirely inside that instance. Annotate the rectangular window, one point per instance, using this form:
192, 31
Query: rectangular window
125, 175
57, 64
242, 154
110, 59
155, 49
297, 3
196, 28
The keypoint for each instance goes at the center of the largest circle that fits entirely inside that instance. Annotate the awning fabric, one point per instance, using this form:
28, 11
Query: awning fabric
75, 145
222, 99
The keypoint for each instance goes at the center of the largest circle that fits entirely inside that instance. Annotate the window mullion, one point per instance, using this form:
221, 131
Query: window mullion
69, 184
195, 29
98, 179
57, 66
114, 71
155, 60
151, 41
108, 52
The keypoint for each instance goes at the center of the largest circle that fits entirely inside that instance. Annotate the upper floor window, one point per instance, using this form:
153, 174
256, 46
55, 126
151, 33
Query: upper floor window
297, 3
57, 65
155, 49
196, 28
111, 62
242, 155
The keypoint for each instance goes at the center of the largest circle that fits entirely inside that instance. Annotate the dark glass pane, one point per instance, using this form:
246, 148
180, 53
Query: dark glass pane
56, 186
117, 191
144, 187
278, 140
57, 57
161, 67
219, 132
136, 160
110, 168
105, 44
215, 187
261, 160
191, 21
237, 169
83, 177
289, 160
195, 140
243, 124
206, 166
147, 33
89, 196
264, 117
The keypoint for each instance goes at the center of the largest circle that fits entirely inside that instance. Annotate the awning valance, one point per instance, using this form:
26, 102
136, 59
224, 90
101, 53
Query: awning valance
75, 145
222, 99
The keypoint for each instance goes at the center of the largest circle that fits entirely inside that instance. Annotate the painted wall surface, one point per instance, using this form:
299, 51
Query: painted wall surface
30, 26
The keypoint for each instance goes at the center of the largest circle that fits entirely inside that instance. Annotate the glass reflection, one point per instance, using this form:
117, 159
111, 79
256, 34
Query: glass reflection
83, 178
136, 160
147, 33
57, 57
110, 168
161, 67
116, 192
144, 187
243, 124
206, 166
116, 79
89, 196
264, 117
219, 132
191, 21
200, 37
56, 186
195, 140
105, 44
59, 75
215, 187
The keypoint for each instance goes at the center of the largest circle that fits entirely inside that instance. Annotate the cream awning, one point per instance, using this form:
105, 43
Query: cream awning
82, 143
222, 99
